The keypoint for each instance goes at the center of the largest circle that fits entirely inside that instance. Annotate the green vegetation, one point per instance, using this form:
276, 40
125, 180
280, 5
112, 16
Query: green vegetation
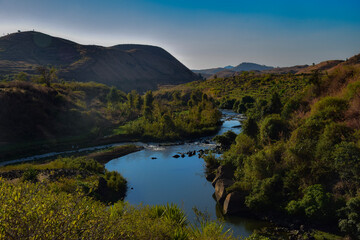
174, 117
48, 115
35, 211
72, 174
103, 156
299, 156
242, 90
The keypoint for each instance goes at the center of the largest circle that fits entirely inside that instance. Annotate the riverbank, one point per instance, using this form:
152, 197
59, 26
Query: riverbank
232, 202
104, 156
14, 151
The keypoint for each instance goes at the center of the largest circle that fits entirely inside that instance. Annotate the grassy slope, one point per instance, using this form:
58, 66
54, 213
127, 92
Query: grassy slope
248, 83
57, 116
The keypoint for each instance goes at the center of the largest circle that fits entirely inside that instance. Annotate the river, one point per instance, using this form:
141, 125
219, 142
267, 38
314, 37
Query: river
156, 177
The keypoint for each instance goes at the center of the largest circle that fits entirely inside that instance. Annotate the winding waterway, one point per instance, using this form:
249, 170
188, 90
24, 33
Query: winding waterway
155, 177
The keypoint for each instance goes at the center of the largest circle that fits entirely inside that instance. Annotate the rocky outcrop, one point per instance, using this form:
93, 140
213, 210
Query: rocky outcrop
234, 203
220, 189
223, 172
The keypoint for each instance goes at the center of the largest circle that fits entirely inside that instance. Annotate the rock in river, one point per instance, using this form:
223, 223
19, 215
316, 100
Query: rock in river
223, 172
220, 189
176, 156
233, 203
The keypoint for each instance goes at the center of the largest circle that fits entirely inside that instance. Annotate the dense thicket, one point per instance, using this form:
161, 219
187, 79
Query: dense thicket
300, 156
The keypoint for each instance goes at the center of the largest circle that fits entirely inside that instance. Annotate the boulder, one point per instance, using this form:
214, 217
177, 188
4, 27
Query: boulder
209, 175
176, 156
223, 172
220, 189
233, 203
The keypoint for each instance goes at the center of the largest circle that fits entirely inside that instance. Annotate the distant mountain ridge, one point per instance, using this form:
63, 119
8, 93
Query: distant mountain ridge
127, 66
230, 70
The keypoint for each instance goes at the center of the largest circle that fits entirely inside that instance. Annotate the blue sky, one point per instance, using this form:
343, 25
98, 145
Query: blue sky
201, 34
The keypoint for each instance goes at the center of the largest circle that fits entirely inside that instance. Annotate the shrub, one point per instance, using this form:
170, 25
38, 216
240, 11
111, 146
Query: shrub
316, 204
304, 139
330, 108
225, 140
292, 105
353, 90
273, 128
350, 222
347, 161
274, 106
333, 134
30, 174
244, 144
80, 163
265, 194
250, 127
227, 103
211, 160
116, 182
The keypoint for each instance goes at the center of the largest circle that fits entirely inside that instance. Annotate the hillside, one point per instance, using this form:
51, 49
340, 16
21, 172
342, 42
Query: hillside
298, 157
229, 71
126, 66
323, 66
284, 70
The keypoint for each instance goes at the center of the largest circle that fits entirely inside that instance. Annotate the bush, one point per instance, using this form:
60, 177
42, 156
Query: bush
333, 134
350, 223
273, 128
265, 194
227, 103
316, 204
304, 139
116, 182
80, 163
32, 211
30, 174
291, 106
347, 161
244, 144
250, 127
274, 106
330, 108
353, 90
225, 140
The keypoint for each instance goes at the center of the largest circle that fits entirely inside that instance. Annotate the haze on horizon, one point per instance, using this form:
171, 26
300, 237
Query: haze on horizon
201, 34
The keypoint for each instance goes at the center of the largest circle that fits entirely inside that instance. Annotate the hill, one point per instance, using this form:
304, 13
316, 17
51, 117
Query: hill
127, 67
230, 71
284, 70
323, 66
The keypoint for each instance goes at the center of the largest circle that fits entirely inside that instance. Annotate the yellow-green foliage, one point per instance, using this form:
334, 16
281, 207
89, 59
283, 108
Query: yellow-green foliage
248, 84
33, 211
174, 122
330, 108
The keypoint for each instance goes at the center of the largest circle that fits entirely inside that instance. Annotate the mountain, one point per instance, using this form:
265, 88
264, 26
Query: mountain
246, 66
210, 71
229, 67
230, 70
127, 67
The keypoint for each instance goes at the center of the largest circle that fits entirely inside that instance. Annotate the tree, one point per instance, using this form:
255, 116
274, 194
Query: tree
148, 105
130, 98
47, 74
226, 139
250, 127
113, 95
274, 105
22, 76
